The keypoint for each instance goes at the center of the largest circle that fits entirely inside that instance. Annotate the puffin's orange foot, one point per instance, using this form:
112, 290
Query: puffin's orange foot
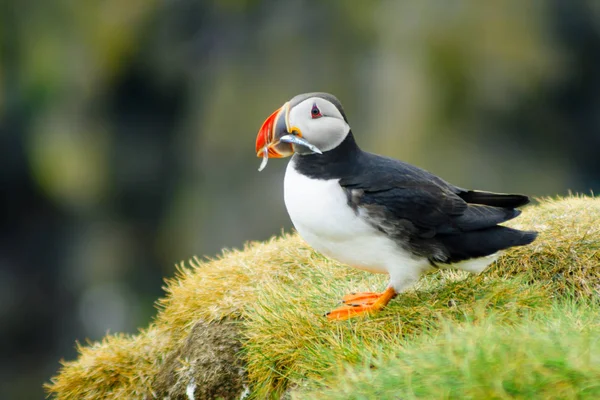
362, 303
360, 298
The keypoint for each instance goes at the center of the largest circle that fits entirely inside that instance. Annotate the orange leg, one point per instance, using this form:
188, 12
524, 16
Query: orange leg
361, 304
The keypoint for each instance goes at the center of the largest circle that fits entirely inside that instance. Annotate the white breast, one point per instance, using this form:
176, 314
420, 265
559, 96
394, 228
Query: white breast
320, 213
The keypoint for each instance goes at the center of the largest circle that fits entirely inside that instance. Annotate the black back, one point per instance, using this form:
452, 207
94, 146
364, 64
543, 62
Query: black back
420, 211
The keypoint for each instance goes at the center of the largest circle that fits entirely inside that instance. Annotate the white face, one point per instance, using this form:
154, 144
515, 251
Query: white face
319, 122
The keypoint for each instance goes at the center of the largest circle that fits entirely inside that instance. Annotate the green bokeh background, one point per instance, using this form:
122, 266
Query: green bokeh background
127, 132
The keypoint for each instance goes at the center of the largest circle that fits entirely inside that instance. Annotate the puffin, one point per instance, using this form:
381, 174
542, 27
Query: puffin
377, 213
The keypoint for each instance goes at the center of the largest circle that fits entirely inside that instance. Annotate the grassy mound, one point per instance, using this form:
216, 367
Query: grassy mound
550, 355
268, 301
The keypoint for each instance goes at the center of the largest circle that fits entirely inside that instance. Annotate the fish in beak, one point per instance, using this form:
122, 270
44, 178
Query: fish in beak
276, 139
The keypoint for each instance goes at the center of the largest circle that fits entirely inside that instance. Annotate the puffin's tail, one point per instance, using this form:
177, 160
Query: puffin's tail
494, 199
484, 242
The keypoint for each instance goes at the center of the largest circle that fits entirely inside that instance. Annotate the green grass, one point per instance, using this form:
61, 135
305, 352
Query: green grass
520, 329
553, 354
288, 341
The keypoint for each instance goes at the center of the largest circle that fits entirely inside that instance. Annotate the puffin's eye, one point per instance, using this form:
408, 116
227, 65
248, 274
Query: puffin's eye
315, 112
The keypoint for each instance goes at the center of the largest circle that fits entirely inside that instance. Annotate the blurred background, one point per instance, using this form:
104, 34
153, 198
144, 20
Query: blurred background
127, 133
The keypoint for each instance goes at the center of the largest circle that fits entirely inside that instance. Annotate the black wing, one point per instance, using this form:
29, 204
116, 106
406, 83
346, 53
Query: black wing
430, 216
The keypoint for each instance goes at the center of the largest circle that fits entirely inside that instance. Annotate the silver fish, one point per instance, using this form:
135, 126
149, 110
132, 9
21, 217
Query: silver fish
302, 142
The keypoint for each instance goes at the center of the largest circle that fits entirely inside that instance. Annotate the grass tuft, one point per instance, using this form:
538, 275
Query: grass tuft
120, 366
274, 294
566, 255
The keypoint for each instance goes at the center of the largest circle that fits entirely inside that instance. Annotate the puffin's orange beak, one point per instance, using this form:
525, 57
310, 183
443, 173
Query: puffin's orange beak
271, 131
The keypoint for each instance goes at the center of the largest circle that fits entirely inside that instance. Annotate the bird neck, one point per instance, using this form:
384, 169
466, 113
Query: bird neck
333, 164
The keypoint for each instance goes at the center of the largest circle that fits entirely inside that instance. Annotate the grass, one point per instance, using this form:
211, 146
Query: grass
554, 354
272, 296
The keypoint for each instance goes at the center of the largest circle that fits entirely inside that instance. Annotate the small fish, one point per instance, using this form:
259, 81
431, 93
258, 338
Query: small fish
288, 139
302, 142
265, 159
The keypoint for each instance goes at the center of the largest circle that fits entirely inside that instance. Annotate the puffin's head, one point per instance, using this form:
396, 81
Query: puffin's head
309, 123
